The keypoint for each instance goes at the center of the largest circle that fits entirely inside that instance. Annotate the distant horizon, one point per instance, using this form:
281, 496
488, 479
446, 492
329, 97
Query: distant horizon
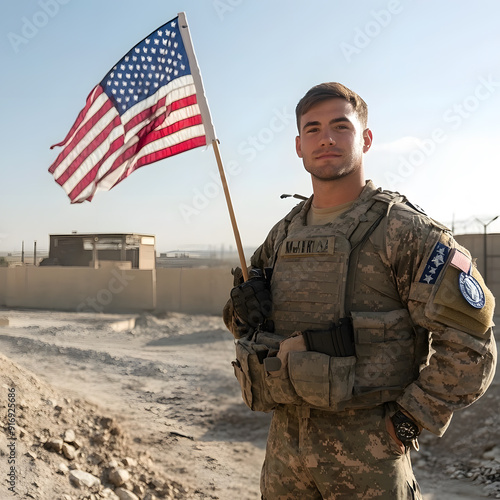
193, 248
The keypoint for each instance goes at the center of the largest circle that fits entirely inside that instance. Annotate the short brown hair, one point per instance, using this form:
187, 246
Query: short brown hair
330, 90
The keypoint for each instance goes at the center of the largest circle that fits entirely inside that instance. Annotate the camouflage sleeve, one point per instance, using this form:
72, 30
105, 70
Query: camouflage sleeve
427, 263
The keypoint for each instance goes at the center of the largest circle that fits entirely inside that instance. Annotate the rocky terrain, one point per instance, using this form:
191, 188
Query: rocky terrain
67, 448
116, 406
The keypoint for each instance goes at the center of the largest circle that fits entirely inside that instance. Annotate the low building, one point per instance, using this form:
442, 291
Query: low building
132, 251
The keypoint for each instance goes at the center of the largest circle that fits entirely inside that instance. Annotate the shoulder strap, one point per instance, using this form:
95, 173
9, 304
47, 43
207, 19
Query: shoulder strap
286, 222
368, 222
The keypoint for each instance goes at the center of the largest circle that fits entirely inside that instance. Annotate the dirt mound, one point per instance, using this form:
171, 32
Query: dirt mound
55, 447
182, 430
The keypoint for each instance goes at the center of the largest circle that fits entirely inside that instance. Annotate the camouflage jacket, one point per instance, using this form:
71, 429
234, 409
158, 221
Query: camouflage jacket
407, 267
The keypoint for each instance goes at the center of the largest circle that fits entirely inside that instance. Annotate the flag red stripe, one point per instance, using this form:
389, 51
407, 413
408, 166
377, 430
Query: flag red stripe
146, 114
182, 124
94, 94
195, 142
98, 140
184, 102
90, 124
174, 127
174, 106
88, 150
132, 150
178, 148
151, 137
91, 176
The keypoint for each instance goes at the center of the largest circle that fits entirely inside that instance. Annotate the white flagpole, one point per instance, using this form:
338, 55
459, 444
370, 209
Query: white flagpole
210, 132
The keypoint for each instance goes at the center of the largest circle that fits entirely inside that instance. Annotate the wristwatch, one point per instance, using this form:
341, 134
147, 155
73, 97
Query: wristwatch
406, 429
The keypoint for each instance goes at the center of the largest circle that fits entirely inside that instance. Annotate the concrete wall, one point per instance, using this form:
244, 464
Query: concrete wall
187, 290
111, 289
3, 284
193, 290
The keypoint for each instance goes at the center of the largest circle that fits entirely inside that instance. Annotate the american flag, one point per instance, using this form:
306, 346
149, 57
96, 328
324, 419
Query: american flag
148, 107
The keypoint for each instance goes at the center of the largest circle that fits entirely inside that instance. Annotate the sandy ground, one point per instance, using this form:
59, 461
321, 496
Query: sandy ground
168, 382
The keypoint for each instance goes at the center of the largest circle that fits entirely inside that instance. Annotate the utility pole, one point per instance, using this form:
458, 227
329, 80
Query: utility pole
485, 274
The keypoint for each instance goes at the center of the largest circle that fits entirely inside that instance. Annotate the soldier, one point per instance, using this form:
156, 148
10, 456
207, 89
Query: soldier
346, 296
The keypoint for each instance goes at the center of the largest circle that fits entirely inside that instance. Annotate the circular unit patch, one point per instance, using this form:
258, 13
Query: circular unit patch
471, 290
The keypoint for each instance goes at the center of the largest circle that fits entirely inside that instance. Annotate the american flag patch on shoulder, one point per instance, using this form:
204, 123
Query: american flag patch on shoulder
461, 261
435, 264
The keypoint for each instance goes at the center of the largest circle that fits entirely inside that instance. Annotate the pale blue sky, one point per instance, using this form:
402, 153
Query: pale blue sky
429, 71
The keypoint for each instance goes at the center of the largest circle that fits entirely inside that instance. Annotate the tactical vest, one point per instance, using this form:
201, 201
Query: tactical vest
311, 267
316, 281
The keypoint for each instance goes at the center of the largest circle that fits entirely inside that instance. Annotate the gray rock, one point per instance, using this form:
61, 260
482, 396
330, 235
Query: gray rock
109, 494
493, 454
119, 476
68, 451
54, 444
80, 478
124, 494
62, 468
492, 489
69, 436
99, 438
129, 462
138, 490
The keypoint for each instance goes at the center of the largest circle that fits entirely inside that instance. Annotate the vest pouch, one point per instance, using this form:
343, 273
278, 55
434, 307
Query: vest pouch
250, 373
320, 380
281, 389
385, 346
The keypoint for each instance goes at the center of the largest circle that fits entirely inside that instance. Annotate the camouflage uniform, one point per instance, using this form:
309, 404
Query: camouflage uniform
394, 271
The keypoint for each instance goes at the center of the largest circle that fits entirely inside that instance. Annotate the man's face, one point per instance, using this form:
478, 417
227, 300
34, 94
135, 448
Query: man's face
331, 140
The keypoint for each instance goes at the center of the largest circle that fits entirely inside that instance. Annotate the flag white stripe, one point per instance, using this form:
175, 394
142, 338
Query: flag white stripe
171, 140
94, 108
175, 116
90, 161
180, 88
86, 140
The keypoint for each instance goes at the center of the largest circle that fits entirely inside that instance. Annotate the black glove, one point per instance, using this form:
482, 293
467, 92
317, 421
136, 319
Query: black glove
252, 299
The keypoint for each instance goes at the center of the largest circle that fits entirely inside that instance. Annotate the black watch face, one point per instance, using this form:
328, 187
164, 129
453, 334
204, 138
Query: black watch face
406, 431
